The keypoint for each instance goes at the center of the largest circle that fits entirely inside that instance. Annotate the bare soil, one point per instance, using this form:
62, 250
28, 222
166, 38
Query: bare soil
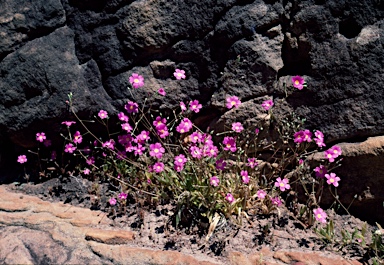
155, 224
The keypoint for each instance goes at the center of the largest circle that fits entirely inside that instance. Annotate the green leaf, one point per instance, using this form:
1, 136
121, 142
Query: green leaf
364, 229
302, 210
343, 234
348, 235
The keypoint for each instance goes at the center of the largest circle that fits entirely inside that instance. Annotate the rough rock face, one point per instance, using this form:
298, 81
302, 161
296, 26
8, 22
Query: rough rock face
230, 47
362, 175
36, 80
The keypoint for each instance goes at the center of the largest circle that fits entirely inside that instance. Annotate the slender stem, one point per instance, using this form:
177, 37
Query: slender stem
129, 185
334, 196
97, 139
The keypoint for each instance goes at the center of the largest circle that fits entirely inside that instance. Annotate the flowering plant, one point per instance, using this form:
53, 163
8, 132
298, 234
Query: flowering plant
168, 158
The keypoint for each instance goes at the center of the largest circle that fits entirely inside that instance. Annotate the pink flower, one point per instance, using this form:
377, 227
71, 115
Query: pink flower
22, 159
182, 106
230, 198
299, 137
179, 74
195, 106
181, 128
124, 139
210, 150
123, 117
161, 91
252, 162
156, 150
244, 176
178, 168
188, 124
319, 139
220, 164
298, 82
320, 215
109, 144
206, 139
333, 153
332, 179
77, 138
158, 167
90, 160
320, 171
261, 194
184, 126
86, 171
69, 148
267, 104
233, 102
180, 160
136, 80
214, 181
237, 127
123, 196
229, 143
112, 201
131, 107
307, 136
282, 184
196, 137
303, 136
130, 148
162, 131
143, 136
336, 150
159, 121
329, 155
139, 150
319, 142
40, 137
103, 114
257, 130
319, 134
276, 201
68, 123
196, 152
126, 127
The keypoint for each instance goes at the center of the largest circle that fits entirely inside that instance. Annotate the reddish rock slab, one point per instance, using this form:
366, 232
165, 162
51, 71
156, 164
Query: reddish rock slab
120, 254
108, 236
267, 257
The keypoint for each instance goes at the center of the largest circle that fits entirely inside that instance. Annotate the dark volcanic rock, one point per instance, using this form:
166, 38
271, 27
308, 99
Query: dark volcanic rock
362, 176
22, 21
345, 98
36, 80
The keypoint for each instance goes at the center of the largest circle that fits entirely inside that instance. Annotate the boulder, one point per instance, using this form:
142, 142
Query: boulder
23, 22
362, 176
36, 80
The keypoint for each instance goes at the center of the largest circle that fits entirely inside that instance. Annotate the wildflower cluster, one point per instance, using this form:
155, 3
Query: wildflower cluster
170, 157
